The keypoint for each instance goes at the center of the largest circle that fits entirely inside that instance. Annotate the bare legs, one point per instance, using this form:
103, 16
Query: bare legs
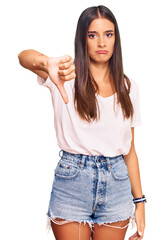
71, 231
108, 232
77, 231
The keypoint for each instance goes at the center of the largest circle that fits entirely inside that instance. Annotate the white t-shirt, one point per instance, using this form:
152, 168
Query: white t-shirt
110, 136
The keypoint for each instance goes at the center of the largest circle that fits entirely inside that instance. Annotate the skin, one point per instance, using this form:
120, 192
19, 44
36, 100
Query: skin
134, 175
101, 36
103, 40
99, 66
61, 69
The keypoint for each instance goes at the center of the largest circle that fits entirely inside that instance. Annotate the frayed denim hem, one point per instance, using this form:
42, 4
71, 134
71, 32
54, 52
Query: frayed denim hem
61, 221
90, 223
131, 221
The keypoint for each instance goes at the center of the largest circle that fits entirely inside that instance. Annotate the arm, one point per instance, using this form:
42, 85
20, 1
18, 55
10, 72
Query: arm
134, 175
133, 170
59, 69
33, 60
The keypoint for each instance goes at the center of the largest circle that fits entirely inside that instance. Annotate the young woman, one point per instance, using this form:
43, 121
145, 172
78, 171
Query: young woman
96, 189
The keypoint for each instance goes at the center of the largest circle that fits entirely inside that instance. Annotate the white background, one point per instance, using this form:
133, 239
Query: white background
29, 151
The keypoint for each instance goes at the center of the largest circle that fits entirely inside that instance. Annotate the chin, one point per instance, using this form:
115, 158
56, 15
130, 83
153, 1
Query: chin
100, 59
103, 60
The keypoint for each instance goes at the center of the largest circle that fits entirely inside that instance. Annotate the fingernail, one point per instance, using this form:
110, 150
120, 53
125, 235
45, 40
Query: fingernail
140, 233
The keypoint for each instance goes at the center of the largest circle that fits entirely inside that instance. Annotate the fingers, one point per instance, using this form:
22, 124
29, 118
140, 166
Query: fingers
140, 220
67, 71
68, 77
140, 229
65, 62
66, 68
133, 236
140, 232
136, 236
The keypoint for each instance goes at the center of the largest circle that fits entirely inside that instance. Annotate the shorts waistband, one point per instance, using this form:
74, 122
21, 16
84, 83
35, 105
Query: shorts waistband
94, 158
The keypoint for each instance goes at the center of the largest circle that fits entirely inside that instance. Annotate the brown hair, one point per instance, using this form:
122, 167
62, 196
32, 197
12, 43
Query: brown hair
85, 86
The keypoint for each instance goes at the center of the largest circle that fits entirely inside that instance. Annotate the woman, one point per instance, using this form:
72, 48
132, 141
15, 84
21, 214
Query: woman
96, 107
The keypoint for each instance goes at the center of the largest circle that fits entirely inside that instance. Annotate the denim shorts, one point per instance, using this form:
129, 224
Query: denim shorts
90, 189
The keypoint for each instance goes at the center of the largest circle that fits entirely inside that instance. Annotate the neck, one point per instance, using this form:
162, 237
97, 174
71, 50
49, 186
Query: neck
101, 72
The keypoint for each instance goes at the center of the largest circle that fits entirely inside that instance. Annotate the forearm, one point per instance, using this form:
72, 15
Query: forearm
134, 173
33, 60
133, 170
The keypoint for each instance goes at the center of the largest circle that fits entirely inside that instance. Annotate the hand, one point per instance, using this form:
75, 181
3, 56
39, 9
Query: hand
140, 222
61, 69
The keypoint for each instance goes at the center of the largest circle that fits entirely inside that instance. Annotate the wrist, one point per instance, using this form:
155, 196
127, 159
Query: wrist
139, 202
45, 64
40, 62
140, 205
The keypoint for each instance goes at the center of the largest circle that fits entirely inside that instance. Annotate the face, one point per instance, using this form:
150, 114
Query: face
101, 40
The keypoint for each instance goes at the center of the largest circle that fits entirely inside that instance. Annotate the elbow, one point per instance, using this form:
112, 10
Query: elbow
23, 54
20, 57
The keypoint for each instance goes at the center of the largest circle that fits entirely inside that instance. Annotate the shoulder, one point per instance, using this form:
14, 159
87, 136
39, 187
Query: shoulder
134, 88
134, 91
133, 85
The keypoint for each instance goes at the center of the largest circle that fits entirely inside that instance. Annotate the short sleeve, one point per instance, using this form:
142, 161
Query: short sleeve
47, 83
135, 98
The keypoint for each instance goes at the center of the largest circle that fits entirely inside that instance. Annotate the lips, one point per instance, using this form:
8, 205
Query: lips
102, 52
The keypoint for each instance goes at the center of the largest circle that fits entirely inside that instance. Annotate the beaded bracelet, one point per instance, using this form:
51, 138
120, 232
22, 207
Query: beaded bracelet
138, 200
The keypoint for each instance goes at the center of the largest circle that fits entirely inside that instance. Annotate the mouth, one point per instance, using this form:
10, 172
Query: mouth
101, 52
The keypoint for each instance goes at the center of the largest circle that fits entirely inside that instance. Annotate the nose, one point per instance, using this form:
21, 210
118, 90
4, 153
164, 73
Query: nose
101, 42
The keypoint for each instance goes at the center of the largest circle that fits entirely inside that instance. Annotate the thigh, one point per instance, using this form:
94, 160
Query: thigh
109, 232
71, 231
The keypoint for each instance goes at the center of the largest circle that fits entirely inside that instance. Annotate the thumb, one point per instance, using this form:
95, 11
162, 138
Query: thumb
63, 92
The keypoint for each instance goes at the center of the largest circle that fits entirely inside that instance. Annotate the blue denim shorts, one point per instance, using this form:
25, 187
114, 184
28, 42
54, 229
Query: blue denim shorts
90, 189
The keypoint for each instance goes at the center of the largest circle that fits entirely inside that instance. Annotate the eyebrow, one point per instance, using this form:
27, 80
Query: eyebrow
96, 32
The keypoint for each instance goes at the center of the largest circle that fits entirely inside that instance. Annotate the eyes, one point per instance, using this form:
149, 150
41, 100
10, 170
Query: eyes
92, 36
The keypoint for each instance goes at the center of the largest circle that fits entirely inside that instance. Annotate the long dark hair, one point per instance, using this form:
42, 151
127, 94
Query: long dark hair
85, 86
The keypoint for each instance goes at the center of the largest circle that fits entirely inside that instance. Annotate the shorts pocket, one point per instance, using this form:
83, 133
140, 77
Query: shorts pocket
119, 170
66, 169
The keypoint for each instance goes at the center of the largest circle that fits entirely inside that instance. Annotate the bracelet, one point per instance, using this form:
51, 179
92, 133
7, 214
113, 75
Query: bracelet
138, 200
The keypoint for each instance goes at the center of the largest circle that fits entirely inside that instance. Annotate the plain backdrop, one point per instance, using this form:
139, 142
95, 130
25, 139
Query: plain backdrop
28, 146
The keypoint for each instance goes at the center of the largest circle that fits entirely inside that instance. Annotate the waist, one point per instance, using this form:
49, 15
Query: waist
92, 158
